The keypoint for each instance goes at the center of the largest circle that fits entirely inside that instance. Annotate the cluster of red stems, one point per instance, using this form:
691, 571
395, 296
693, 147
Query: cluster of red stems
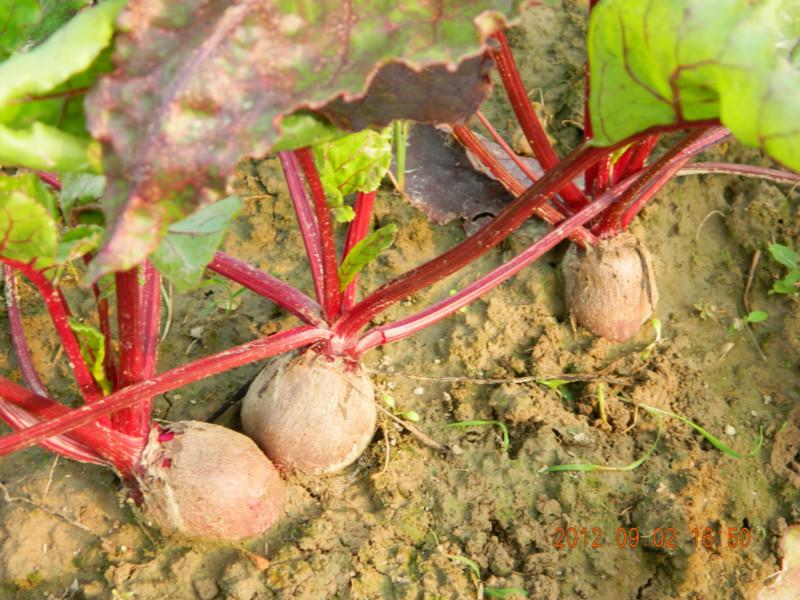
113, 429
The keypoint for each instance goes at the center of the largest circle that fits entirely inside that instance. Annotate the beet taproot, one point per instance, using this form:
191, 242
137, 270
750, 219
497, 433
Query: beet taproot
311, 413
610, 289
206, 481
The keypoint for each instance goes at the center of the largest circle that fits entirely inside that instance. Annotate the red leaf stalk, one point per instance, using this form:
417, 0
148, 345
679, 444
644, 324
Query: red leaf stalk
332, 297
528, 120
511, 217
59, 312
357, 231
405, 327
305, 219
268, 286
169, 380
547, 213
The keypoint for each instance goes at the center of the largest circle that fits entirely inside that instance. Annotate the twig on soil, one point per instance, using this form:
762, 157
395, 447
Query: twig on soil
750, 276
387, 449
50, 477
569, 377
166, 293
417, 433
9, 499
703, 222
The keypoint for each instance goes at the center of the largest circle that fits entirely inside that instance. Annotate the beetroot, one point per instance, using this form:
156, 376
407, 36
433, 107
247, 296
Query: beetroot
311, 413
206, 481
610, 289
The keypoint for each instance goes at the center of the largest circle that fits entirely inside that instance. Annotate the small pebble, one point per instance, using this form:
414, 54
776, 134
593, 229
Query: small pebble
730, 430
418, 391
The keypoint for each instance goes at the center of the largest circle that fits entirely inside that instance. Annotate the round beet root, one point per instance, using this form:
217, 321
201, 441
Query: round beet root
207, 481
311, 413
610, 289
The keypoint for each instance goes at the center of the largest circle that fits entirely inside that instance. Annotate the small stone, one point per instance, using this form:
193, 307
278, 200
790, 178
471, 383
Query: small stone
206, 588
197, 332
418, 391
730, 430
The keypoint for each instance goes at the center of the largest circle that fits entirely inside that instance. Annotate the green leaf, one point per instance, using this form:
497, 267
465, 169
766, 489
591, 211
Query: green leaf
788, 285
588, 468
93, 350
70, 50
670, 61
190, 244
79, 189
28, 231
47, 148
365, 252
27, 22
784, 255
77, 242
756, 316
172, 141
305, 129
355, 163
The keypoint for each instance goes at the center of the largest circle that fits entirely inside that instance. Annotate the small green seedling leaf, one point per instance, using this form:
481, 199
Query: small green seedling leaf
409, 415
365, 252
389, 401
783, 255
93, 350
70, 50
28, 231
190, 244
756, 316
480, 423
788, 285
587, 468
355, 163
559, 385
711, 439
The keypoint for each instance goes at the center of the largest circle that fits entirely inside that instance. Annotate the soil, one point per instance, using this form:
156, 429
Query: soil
408, 521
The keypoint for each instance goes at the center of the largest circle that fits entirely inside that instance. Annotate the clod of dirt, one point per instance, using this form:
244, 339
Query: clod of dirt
311, 413
610, 289
206, 481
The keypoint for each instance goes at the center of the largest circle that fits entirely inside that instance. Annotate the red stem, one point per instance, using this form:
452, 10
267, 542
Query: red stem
633, 159
65, 445
50, 179
21, 347
709, 168
405, 327
506, 148
131, 335
269, 287
95, 442
59, 312
618, 217
169, 380
305, 219
330, 268
511, 217
528, 120
357, 231
547, 213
